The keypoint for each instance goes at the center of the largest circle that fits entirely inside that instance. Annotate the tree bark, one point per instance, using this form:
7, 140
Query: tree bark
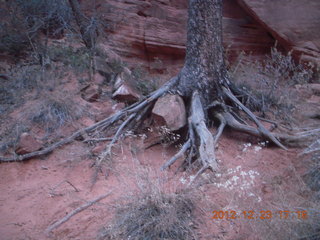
204, 69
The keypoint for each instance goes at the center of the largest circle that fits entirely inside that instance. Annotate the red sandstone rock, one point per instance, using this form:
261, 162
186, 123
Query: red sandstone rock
125, 93
91, 93
151, 30
294, 23
28, 143
170, 110
315, 87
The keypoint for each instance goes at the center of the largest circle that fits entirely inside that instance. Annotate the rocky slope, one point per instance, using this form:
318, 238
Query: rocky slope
155, 30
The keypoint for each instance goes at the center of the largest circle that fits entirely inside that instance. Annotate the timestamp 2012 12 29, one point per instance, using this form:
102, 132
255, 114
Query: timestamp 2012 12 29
261, 214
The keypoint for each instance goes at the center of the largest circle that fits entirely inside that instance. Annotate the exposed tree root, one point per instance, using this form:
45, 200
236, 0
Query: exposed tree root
179, 154
136, 108
200, 143
263, 131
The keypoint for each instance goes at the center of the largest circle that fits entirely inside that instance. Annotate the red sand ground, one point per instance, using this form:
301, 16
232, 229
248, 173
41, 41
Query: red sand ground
253, 177
37, 193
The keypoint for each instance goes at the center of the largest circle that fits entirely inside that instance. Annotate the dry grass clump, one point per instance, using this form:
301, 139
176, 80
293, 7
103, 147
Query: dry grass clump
274, 76
53, 113
291, 195
153, 213
312, 177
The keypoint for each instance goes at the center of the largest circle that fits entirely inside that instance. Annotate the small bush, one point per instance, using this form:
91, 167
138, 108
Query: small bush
50, 15
312, 177
153, 214
282, 67
69, 56
144, 86
13, 37
273, 78
53, 114
24, 20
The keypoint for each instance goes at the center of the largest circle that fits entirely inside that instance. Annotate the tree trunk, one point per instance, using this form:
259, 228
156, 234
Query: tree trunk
204, 69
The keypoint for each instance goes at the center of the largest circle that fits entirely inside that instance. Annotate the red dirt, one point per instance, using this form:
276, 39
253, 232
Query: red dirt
37, 193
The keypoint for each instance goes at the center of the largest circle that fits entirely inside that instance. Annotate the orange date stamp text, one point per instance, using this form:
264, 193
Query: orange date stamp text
263, 214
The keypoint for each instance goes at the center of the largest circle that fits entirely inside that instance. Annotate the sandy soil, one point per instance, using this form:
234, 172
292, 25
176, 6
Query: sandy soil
39, 192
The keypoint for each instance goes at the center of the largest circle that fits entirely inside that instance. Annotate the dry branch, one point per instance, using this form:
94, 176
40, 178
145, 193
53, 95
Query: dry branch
105, 123
74, 212
263, 131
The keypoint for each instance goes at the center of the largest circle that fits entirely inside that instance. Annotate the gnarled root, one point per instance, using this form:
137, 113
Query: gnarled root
207, 145
135, 111
201, 143
262, 130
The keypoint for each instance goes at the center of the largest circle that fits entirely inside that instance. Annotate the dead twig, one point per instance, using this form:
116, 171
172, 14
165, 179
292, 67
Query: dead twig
97, 140
74, 212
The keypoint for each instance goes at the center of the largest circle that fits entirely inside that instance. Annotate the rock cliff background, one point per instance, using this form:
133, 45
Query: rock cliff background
156, 30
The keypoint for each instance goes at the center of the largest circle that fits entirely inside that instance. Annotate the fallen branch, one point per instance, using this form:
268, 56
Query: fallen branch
74, 212
97, 140
105, 123
263, 131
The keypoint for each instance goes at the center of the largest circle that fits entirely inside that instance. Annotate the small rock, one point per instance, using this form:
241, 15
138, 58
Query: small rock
170, 110
27, 144
87, 121
98, 149
314, 99
126, 93
98, 79
102, 67
91, 93
315, 87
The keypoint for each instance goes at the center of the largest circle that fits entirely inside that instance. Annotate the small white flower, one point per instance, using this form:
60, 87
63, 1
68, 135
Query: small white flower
257, 148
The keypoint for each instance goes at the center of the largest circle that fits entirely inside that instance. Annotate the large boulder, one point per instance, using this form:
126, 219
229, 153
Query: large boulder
170, 111
91, 93
156, 30
294, 23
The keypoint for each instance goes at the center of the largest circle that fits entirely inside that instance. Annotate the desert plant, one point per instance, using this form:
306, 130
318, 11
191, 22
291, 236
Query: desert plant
143, 85
153, 213
282, 67
273, 78
13, 37
77, 58
52, 114
24, 20
52, 16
